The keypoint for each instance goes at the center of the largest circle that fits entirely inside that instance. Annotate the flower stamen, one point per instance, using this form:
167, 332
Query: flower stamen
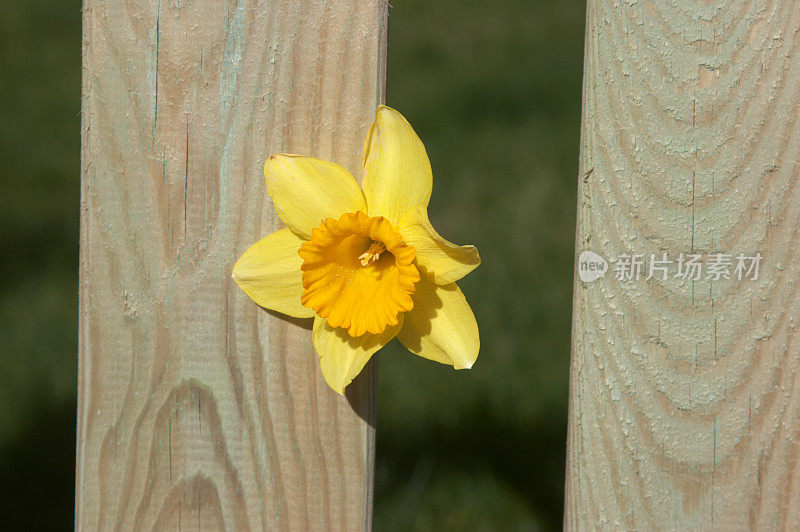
372, 254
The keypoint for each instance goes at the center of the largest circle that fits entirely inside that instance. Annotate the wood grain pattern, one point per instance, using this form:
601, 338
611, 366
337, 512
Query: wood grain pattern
197, 409
685, 395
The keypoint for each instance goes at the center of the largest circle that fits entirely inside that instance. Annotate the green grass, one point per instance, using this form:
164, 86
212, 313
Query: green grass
39, 202
493, 88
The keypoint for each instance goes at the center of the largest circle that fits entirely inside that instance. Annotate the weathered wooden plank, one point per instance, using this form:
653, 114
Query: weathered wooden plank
685, 394
196, 408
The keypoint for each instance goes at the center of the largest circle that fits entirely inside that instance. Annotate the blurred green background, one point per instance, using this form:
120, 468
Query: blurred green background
493, 88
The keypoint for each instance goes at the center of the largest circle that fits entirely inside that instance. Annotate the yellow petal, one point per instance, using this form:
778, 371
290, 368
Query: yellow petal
269, 272
441, 326
342, 356
442, 261
397, 172
306, 190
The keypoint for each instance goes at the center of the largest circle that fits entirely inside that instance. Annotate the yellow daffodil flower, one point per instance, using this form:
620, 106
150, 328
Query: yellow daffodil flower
366, 264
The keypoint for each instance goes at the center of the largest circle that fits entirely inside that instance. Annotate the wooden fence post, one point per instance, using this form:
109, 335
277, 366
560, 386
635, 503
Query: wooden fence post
196, 408
685, 394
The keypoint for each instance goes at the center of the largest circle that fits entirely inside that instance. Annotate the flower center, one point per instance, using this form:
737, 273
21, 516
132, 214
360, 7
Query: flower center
372, 254
358, 273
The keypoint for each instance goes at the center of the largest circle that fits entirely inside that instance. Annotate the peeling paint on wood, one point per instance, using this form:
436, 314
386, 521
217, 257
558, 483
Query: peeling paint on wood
197, 409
